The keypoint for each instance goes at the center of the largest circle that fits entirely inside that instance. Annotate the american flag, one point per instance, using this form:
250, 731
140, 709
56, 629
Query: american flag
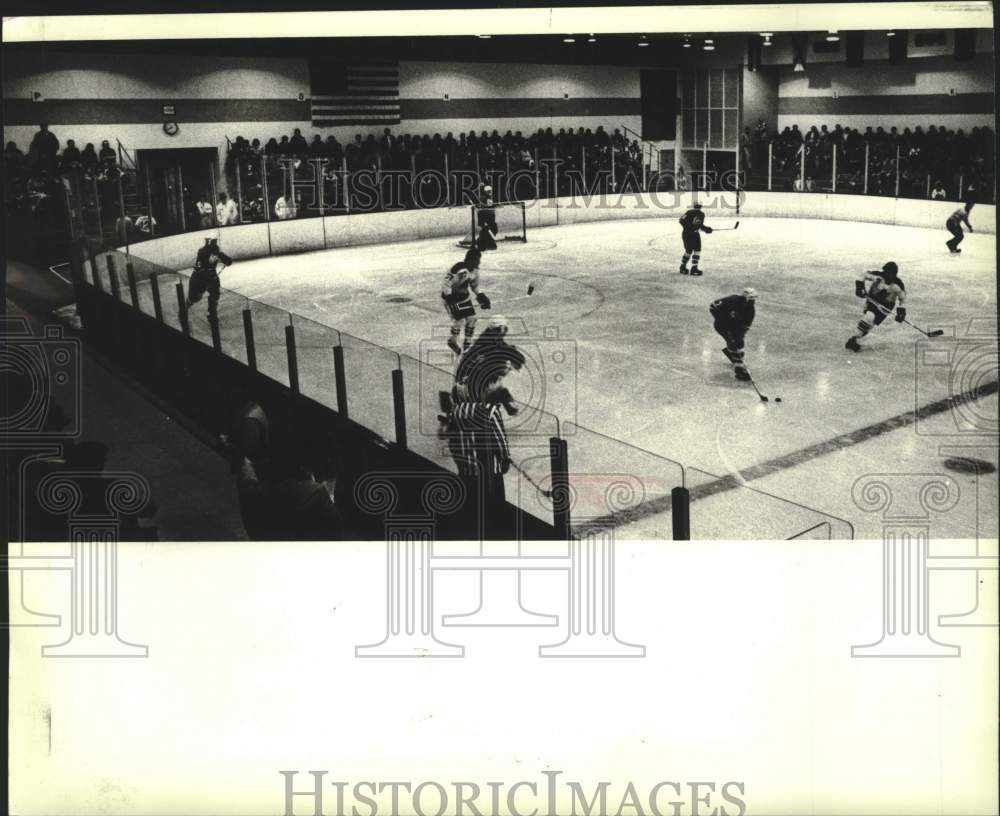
354, 94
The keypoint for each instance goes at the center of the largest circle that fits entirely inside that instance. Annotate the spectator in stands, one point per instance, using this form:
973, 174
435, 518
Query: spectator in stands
88, 158
13, 160
226, 212
43, 149
203, 206
333, 150
297, 145
317, 150
146, 225
107, 155
284, 208
681, 179
70, 155
271, 148
124, 227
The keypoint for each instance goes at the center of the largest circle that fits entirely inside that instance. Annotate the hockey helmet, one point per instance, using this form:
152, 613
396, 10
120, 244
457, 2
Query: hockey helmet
750, 293
890, 269
696, 205
498, 322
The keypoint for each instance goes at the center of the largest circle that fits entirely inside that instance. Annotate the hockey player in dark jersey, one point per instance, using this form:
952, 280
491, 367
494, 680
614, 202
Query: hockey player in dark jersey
733, 317
692, 225
461, 282
883, 291
205, 276
481, 370
485, 363
954, 226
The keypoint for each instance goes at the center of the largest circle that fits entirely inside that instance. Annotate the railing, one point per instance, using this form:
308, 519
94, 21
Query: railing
649, 150
125, 159
861, 169
127, 206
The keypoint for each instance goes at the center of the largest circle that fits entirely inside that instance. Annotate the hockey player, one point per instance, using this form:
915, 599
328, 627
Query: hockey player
460, 283
486, 218
733, 317
692, 224
954, 226
485, 363
205, 276
883, 291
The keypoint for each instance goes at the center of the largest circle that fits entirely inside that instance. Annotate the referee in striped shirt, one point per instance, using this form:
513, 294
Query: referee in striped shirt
478, 444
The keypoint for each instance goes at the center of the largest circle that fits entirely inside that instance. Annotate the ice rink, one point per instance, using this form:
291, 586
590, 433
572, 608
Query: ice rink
621, 345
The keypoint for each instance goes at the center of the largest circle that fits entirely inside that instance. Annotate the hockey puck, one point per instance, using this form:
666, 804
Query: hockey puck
777, 399
531, 288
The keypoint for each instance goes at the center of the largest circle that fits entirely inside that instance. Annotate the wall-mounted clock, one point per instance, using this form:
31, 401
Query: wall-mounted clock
171, 128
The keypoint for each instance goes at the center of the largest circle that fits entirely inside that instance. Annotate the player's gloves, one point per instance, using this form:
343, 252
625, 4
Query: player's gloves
859, 289
900, 314
482, 300
707, 229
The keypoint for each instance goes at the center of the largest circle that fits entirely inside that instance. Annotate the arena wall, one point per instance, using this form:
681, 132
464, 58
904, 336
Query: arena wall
92, 97
438, 97
259, 240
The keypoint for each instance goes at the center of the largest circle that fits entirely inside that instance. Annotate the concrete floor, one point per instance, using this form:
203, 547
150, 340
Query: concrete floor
625, 363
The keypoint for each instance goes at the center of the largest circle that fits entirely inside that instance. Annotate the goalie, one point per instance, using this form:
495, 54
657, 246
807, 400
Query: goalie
486, 217
883, 291
460, 284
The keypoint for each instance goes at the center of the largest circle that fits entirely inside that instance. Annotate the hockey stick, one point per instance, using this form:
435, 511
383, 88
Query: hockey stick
755, 388
532, 482
934, 333
726, 229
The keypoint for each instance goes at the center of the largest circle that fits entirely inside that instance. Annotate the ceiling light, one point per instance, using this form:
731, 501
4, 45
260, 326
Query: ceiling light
767, 34
767, 42
890, 33
591, 38
687, 44
484, 36
708, 48
569, 40
832, 36
643, 42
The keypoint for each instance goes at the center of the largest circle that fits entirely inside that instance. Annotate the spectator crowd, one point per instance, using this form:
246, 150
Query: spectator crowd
932, 163
36, 184
592, 153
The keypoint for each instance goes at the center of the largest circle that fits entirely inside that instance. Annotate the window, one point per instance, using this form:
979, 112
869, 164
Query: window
710, 105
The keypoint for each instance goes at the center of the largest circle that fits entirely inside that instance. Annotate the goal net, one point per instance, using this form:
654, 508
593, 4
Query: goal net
511, 223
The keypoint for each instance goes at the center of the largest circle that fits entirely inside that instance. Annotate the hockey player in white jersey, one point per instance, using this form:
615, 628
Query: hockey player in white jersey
461, 283
883, 291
